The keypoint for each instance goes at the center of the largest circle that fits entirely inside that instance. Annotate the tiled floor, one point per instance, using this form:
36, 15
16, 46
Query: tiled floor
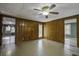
71, 46
8, 39
71, 41
41, 47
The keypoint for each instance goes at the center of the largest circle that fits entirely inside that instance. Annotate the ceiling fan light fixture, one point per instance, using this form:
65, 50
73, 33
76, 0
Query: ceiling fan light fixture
45, 13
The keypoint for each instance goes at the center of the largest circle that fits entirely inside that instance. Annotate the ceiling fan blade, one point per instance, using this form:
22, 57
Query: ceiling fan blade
45, 8
54, 12
40, 14
52, 6
37, 9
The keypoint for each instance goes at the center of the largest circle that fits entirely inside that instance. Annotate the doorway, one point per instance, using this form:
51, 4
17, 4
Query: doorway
71, 32
70, 46
8, 31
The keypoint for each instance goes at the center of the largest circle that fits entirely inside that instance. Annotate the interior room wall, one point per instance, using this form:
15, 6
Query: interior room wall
54, 30
26, 30
78, 31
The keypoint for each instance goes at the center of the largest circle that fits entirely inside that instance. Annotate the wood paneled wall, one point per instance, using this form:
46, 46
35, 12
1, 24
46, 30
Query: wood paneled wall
54, 30
60, 30
26, 30
78, 31
0, 30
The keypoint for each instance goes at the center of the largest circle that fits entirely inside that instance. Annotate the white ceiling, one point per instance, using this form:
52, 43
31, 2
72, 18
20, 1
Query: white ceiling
26, 10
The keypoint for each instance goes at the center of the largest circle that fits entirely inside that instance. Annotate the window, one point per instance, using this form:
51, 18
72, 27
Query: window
40, 30
68, 29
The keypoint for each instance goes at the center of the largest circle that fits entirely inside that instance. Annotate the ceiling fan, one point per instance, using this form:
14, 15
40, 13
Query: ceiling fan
45, 10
